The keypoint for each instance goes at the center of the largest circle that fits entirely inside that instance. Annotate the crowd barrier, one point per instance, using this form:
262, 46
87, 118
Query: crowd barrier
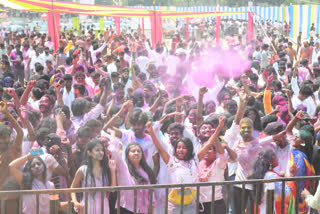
54, 206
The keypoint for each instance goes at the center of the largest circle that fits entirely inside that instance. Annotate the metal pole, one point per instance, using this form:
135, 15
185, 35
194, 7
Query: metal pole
270, 200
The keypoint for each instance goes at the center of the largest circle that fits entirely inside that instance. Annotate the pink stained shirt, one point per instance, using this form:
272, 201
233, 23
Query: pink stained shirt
125, 179
247, 155
213, 173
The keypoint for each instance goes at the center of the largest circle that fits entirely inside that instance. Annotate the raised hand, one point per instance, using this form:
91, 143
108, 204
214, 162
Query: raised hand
113, 96
243, 96
149, 127
300, 115
203, 90
61, 116
270, 79
112, 165
57, 85
31, 84
222, 120
55, 150
10, 92
288, 92
66, 142
127, 105
3, 107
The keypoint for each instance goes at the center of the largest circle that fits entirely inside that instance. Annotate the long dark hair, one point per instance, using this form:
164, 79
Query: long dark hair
188, 143
28, 176
104, 164
143, 164
261, 166
307, 137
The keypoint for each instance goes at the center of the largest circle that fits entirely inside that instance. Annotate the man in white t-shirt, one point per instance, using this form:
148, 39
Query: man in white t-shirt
138, 120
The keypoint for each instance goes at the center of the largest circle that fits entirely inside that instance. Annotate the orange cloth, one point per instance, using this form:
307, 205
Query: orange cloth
267, 101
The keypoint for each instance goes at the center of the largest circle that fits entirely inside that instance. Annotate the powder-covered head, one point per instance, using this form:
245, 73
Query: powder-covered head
279, 100
274, 128
301, 108
284, 114
8, 82
17, 85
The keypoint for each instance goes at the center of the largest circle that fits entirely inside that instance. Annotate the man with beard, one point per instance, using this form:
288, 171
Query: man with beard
138, 120
8, 154
46, 105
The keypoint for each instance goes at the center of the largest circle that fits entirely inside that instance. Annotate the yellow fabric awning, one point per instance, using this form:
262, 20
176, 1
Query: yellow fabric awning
11, 5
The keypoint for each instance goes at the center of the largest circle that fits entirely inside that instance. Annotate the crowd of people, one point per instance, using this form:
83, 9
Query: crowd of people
113, 111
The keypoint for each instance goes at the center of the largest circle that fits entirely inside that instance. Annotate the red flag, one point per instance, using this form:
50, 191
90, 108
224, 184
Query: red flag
117, 24
187, 29
250, 27
53, 19
142, 25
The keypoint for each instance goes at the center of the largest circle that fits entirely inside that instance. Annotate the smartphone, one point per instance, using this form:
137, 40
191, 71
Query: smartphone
39, 151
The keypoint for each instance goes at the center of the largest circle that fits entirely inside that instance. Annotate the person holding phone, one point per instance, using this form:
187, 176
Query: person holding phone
33, 177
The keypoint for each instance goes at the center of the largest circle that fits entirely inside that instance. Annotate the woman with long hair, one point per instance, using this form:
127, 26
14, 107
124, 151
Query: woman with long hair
97, 171
263, 169
33, 177
134, 171
301, 155
183, 168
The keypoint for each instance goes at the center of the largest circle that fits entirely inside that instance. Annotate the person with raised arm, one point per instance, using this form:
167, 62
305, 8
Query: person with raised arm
183, 167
